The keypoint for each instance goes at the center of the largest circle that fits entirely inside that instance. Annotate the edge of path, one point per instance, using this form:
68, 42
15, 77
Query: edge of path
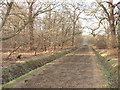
8, 84
107, 69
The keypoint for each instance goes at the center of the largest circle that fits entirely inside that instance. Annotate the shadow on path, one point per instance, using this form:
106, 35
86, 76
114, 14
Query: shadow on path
75, 70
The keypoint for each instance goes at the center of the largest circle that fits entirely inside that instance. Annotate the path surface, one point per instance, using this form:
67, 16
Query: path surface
75, 70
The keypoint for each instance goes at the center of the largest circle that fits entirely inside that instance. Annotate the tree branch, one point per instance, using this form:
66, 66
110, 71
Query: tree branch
103, 8
6, 15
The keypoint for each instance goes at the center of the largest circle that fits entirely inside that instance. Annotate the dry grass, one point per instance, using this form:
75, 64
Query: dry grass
110, 53
26, 55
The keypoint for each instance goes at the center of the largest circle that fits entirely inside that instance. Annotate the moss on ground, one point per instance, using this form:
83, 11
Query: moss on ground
15, 71
8, 85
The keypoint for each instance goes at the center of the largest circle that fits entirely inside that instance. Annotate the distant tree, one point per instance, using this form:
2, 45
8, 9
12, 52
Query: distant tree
74, 10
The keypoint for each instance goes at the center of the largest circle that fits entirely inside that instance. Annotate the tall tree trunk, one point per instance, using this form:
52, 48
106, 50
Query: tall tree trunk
31, 26
107, 38
112, 36
73, 34
112, 26
62, 44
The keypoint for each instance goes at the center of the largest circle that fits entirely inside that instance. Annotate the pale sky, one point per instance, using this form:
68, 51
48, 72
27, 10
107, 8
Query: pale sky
85, 23
89, 1
89, 23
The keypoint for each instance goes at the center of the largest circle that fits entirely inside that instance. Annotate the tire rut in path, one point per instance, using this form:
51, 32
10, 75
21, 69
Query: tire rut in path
75, 70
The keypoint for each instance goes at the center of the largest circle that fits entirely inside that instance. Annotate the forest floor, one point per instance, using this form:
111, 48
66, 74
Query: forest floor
75, 70
26, 56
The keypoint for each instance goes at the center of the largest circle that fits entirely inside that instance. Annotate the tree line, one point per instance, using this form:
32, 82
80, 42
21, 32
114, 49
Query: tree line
106, 15
42, 25
39, 25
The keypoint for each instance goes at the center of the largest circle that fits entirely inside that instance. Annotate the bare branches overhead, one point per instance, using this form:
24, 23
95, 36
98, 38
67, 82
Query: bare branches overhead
9, 7
39, 10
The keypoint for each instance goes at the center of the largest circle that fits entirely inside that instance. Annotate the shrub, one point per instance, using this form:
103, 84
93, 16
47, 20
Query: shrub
100, 42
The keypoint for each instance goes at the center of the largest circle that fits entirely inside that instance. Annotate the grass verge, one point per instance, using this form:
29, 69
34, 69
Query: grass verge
7, 85
109, 68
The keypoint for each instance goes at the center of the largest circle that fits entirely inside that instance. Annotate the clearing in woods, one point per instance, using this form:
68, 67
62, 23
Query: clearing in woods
75, 70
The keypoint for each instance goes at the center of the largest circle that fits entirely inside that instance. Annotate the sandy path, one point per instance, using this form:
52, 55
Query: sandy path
75, 70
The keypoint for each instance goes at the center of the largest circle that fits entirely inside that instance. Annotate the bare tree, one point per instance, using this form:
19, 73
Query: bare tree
74, 10
9, 7
31, 25
108, 8
40, 10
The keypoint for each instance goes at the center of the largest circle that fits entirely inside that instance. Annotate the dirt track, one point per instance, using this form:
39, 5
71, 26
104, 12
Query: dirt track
75, 70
